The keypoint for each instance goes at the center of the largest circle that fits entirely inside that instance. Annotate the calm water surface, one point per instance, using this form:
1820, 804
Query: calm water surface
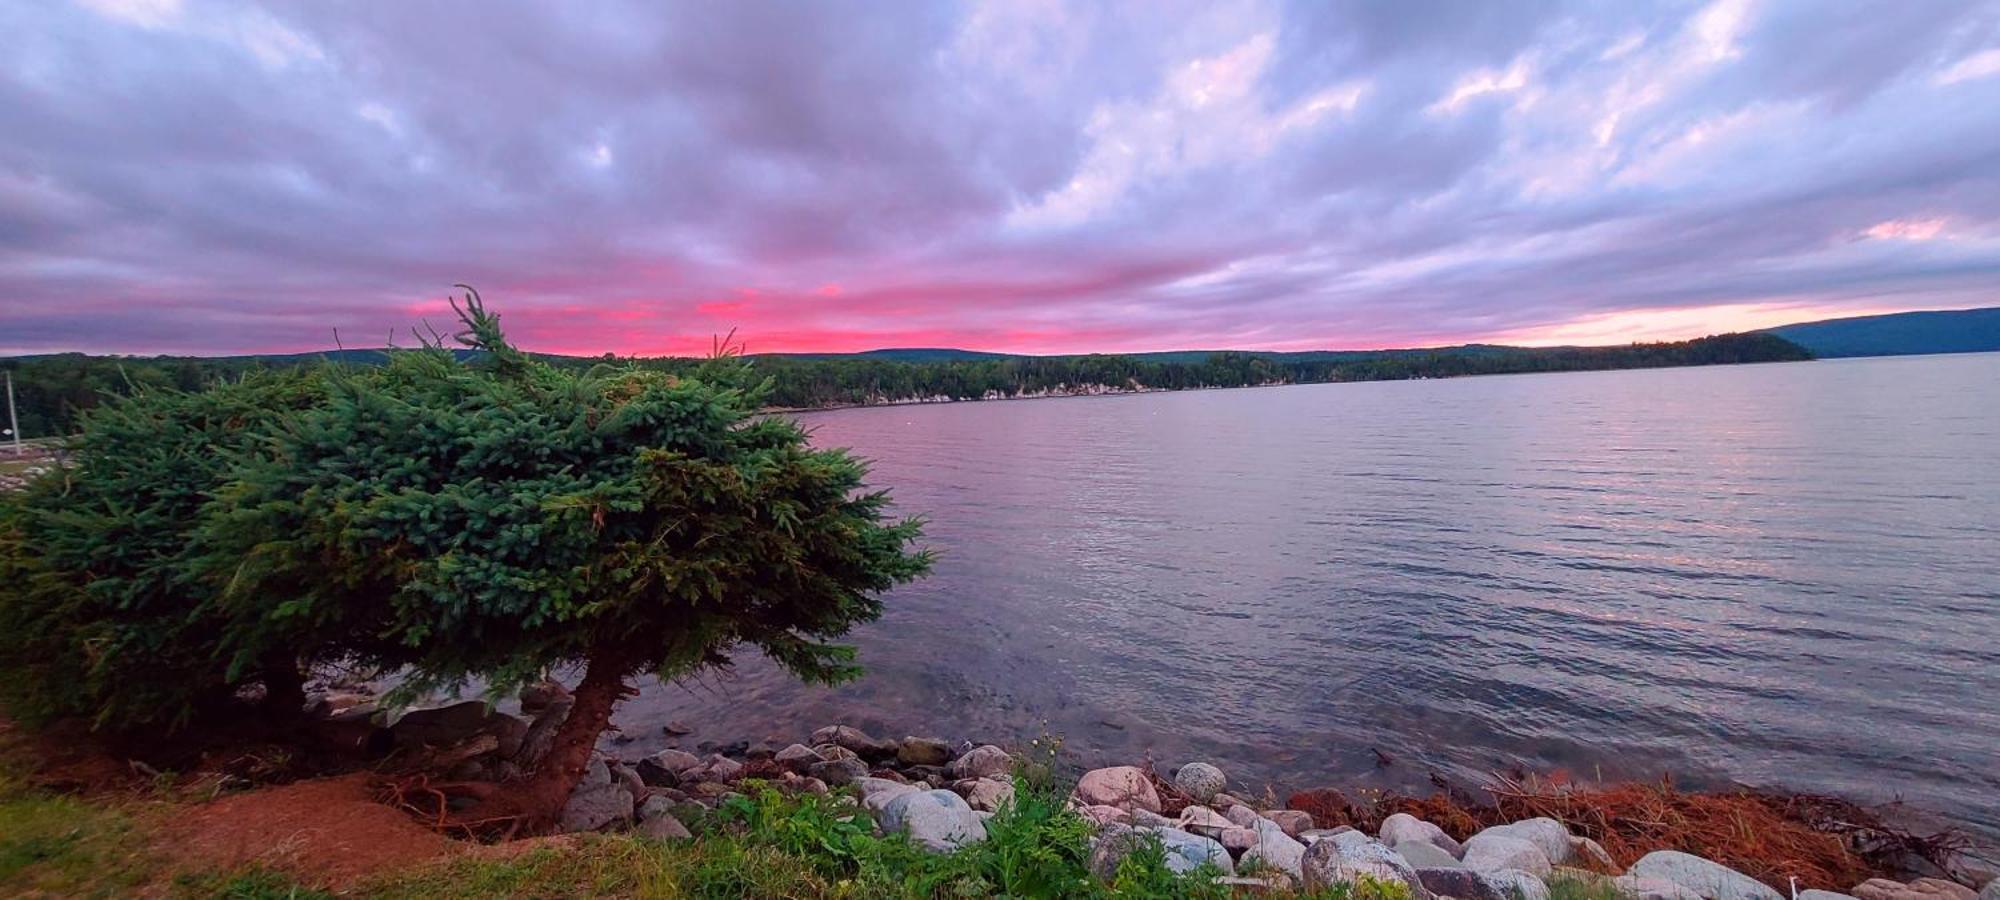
1778, 575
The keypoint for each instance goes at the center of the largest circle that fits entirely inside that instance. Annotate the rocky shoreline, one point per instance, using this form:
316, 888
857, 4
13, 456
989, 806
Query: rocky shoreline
941, 793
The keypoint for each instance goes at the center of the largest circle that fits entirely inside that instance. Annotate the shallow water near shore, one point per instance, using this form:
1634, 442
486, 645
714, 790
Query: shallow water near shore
1782, 574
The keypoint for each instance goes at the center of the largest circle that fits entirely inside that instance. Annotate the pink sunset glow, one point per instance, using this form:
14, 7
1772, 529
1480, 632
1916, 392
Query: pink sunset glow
215, 176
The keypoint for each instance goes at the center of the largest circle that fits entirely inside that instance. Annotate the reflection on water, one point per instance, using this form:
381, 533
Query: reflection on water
1779, 574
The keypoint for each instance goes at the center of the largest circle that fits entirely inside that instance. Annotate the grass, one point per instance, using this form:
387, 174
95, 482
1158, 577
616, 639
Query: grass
1568, 887
61, 846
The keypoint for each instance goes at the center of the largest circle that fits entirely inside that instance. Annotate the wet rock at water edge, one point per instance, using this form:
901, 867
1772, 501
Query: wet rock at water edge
677, 728
922, 751
1200, 781
1709, 879
860, 742
938, 820
983, 762
663, 769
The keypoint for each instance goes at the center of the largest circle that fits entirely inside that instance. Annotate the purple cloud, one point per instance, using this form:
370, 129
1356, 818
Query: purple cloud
189, 176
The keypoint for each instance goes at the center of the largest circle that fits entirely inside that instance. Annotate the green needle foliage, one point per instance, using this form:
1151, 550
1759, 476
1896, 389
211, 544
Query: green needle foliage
498, 517
452, 515
100, 614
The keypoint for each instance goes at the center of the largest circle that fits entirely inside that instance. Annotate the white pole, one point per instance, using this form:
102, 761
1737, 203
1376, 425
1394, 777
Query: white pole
12, 422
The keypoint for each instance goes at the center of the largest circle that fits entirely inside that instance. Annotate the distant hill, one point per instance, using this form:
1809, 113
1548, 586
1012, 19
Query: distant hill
1897, 334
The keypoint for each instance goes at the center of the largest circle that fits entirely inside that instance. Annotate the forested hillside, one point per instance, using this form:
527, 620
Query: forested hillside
52, 390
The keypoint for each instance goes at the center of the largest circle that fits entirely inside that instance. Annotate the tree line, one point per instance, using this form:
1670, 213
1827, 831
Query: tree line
53, 390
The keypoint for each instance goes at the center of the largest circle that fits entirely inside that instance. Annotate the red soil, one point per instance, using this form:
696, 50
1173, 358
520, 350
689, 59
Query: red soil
329, 832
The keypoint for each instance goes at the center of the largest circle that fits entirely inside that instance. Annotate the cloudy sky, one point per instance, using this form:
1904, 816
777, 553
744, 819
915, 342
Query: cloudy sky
1032, 175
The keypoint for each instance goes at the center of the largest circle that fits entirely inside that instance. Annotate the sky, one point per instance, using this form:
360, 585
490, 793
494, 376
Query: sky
185, 176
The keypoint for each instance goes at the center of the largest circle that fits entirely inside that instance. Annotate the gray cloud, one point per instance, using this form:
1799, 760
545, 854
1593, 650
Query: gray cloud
1054, 176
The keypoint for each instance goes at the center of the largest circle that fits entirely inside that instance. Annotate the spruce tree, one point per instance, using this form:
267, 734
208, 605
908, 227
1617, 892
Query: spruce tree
487, 515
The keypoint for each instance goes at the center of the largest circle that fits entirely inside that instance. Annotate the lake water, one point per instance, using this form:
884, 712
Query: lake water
1776, 575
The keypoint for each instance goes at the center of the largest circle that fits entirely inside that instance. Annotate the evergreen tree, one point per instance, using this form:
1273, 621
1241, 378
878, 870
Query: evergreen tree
498, 516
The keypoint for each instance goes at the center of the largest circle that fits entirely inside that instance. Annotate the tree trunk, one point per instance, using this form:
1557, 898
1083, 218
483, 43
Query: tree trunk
284, 687
546, 791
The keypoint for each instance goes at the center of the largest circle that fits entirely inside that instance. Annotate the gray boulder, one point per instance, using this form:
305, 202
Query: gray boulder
599, 800
1184, 852
1591, 855
984, 761
1403, 828
1426, 855
624, 775
1489, 852
1814, 894
1991, 891
657, 820
1201, 781
1548, 836
877, 792
1514, 884
1347, 857
1706, 878
1465, 884
663, 769
1241, 816
1275, 849
716, 768
1634, 887
937, 820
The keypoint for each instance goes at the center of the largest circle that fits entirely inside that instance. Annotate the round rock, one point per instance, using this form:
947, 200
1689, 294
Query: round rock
1201, 781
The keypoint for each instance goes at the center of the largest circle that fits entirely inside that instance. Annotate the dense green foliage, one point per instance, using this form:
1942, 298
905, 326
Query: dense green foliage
102, 615
55, 388
491, 516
